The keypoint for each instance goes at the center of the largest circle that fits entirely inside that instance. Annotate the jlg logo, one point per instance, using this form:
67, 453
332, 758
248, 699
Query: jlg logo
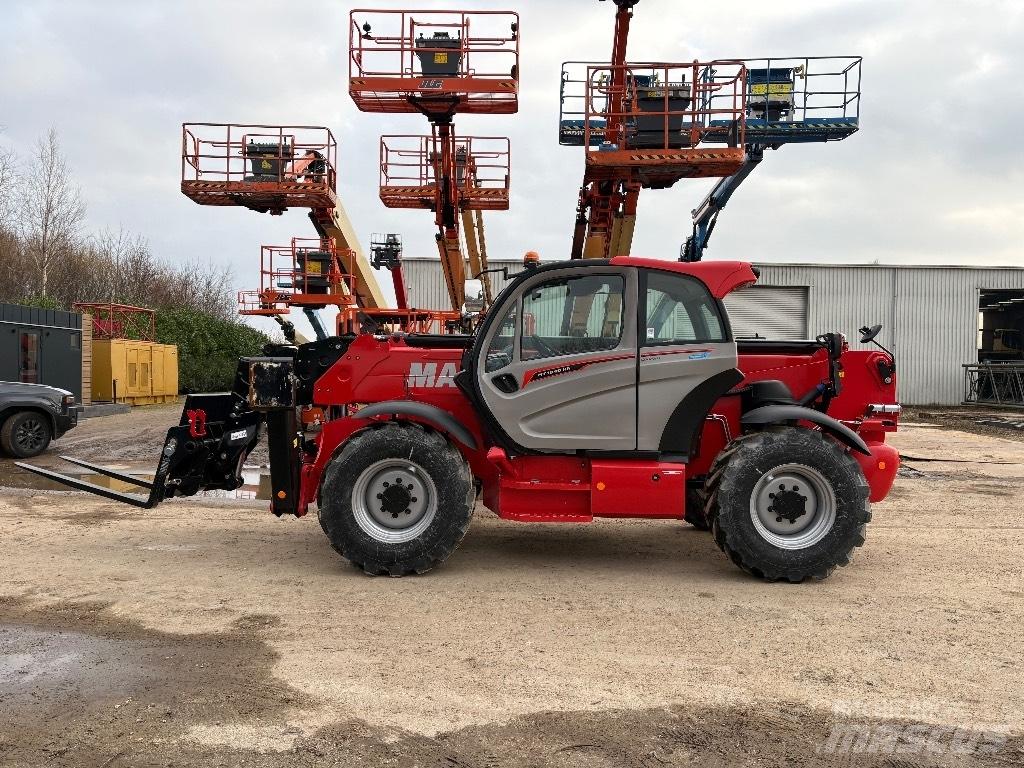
426, 375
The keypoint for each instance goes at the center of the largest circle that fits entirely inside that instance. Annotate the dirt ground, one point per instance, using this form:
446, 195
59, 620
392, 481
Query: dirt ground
212, 633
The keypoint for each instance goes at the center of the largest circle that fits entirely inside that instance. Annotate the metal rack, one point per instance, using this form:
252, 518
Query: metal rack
994, 383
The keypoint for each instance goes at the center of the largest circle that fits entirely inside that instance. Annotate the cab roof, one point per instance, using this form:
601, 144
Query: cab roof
721, 277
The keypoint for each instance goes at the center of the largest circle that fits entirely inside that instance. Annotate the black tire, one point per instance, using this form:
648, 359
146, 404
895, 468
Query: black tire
742, 496
25, 434
415, 455
694, 514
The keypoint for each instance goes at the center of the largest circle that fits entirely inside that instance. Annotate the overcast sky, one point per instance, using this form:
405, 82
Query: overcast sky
934, 175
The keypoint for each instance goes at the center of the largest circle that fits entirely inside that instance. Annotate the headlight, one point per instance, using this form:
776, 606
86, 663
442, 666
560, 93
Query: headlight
67, 401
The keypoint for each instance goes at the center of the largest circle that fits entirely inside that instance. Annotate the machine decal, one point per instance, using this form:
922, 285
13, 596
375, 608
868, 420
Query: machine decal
695, 354
426, 375
557, 370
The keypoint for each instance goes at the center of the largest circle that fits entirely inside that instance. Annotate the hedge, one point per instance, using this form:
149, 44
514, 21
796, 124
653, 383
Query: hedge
208, 348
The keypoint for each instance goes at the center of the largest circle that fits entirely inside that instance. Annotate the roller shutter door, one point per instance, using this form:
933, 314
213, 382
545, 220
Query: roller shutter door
768, 311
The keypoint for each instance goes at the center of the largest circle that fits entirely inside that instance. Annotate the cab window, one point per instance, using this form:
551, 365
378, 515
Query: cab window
679, 310
499, 351
572, 315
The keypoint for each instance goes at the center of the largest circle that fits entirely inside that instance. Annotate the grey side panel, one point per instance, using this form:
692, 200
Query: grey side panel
583, 401
668, 374
777, 414
683, 430
429, 413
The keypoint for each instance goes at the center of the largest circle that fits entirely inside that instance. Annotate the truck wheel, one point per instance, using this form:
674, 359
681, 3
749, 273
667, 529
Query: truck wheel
25, 434
397, 500
788, 504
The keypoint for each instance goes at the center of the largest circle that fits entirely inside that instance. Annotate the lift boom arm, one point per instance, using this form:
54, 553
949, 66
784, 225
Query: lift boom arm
335, 224
705, 215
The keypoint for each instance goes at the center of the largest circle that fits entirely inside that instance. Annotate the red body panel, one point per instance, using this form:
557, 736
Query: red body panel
567, 488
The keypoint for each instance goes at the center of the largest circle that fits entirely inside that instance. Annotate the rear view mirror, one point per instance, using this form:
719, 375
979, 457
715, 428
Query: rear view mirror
867, 335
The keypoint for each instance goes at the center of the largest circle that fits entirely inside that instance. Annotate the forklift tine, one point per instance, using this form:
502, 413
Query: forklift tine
82, 485
110, 473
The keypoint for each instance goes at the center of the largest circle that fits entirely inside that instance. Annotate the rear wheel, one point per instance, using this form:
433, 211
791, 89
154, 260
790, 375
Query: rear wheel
25, 434
788, 504
397, 500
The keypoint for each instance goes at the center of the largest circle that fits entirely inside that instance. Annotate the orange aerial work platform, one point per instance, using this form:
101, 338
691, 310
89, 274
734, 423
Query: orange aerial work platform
262, 304
454, 61
657, 123
266, 168
308, 273
411, 170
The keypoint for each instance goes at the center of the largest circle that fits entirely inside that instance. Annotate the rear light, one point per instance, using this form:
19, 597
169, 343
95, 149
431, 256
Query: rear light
887, 408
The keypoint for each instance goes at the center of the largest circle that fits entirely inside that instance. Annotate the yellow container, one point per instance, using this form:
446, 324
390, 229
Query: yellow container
139, 372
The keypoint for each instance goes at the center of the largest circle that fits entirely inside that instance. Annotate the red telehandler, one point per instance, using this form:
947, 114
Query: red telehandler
592, 388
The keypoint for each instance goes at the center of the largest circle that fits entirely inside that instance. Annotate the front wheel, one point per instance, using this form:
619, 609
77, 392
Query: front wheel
789, 504
25, 435
397, 500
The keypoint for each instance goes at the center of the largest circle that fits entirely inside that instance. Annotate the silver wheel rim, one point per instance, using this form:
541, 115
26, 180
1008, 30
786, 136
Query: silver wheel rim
394, 501
793, 506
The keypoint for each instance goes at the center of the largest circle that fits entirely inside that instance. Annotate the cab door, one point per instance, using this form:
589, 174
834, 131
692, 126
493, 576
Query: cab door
687, 360
557, 367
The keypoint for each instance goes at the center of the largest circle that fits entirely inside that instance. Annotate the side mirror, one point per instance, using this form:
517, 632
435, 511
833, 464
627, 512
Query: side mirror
867, 335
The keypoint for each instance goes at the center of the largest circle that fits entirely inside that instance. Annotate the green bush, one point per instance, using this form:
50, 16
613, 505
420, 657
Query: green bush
208, 348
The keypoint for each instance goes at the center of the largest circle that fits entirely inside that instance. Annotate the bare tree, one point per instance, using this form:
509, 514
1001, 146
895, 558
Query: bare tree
8, 182
51, 210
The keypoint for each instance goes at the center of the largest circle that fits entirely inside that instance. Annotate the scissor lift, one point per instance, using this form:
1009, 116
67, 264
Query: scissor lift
439, 64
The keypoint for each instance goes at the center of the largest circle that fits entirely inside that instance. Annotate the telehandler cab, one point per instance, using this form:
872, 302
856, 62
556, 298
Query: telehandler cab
592, 388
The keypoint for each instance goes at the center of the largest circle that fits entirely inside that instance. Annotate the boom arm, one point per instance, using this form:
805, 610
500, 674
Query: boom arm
706, 214
335, 224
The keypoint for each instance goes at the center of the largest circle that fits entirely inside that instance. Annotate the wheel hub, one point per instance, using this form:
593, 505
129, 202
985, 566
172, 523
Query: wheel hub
793, 506
788, 504
394, 500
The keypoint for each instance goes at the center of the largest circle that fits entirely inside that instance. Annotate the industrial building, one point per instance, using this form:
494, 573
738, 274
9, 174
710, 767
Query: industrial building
936, 319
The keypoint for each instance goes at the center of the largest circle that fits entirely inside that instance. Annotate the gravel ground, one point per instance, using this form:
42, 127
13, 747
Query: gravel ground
202, 634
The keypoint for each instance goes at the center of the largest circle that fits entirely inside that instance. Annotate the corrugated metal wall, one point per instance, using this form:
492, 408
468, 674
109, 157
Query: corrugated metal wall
425, 283
768, 311
929, 314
